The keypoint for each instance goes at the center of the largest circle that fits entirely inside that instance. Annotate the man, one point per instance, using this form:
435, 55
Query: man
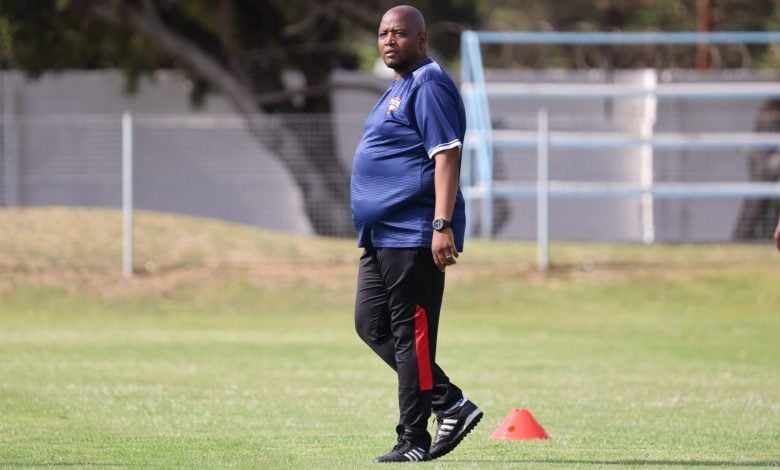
409, 213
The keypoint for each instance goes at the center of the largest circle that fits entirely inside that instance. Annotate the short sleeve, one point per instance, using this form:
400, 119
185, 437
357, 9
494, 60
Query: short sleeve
437, 115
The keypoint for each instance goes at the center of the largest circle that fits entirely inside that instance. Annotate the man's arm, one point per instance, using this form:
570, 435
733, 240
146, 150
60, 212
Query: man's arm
446, 183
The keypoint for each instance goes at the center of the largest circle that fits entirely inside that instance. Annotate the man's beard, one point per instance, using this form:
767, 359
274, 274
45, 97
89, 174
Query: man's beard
399, 64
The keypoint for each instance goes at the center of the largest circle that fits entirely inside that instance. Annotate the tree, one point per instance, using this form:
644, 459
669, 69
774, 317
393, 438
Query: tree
631, 15
758, 216
238, 48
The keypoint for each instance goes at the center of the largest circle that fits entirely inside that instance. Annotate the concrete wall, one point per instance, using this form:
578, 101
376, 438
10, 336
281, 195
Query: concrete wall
621, 219
62, 138
61, 144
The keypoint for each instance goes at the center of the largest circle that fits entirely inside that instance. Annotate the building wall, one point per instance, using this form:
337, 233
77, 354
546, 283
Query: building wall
61, 145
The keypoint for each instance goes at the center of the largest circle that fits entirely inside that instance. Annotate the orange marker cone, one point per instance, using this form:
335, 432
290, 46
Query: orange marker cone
519, 424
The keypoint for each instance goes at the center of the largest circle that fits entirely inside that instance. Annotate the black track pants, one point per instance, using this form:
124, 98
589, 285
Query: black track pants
397, 307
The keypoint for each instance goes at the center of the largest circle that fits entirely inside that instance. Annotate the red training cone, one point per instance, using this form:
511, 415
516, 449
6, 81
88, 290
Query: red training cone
519, 424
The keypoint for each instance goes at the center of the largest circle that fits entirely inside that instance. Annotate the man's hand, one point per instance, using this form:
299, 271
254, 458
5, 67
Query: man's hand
443, 249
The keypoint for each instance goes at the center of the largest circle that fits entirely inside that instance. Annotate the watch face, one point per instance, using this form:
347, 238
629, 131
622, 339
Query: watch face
440, 224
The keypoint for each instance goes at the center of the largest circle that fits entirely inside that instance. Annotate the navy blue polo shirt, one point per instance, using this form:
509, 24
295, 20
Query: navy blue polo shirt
393, 193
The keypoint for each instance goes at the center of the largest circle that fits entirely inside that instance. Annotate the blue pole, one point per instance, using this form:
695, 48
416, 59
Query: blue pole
623, 38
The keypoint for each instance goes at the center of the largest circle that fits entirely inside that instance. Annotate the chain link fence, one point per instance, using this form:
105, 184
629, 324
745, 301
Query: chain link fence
209, 166
219, 166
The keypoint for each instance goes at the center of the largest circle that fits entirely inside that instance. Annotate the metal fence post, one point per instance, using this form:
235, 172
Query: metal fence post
127, 194
479, 113
11, 165
646, 155
542, 191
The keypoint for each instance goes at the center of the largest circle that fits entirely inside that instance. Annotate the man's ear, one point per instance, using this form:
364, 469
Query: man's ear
423, 40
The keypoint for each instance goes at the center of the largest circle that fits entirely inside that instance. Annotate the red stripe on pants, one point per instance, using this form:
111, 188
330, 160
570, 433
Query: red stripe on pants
421, 345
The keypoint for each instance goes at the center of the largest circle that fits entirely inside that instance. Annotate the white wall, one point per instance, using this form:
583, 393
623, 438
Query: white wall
61, 146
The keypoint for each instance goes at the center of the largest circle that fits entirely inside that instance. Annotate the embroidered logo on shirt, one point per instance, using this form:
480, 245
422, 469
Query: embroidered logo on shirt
395, 102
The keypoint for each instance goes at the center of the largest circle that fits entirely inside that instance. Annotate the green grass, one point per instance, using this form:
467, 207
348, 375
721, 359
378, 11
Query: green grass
235, 348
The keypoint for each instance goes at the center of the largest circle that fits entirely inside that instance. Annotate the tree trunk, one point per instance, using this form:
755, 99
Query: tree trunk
757, 217
305, 145
312, 162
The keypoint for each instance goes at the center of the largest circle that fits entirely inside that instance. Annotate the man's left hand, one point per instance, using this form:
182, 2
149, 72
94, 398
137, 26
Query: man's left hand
443, 249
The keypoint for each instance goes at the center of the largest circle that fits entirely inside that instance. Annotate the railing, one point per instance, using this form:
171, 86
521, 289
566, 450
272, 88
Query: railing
482, 140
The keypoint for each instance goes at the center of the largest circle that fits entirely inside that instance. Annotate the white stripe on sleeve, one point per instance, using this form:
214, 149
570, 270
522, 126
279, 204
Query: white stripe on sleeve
441, 147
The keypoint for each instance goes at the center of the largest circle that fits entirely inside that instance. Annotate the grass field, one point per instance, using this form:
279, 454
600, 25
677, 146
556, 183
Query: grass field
234, 347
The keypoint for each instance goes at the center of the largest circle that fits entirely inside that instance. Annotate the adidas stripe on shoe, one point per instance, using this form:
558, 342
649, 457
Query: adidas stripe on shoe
453, 425
405, 451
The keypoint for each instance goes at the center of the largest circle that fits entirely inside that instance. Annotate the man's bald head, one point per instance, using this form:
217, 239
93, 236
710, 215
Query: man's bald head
402, 38
410, 14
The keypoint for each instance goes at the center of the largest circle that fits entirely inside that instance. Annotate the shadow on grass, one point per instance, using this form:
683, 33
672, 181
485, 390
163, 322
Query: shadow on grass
680, 463
68, 464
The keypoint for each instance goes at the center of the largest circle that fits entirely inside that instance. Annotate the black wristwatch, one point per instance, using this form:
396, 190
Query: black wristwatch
441, 224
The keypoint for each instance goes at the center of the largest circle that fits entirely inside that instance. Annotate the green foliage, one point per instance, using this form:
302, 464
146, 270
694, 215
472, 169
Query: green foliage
6, 30
628, 15
254, 42
53, 35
